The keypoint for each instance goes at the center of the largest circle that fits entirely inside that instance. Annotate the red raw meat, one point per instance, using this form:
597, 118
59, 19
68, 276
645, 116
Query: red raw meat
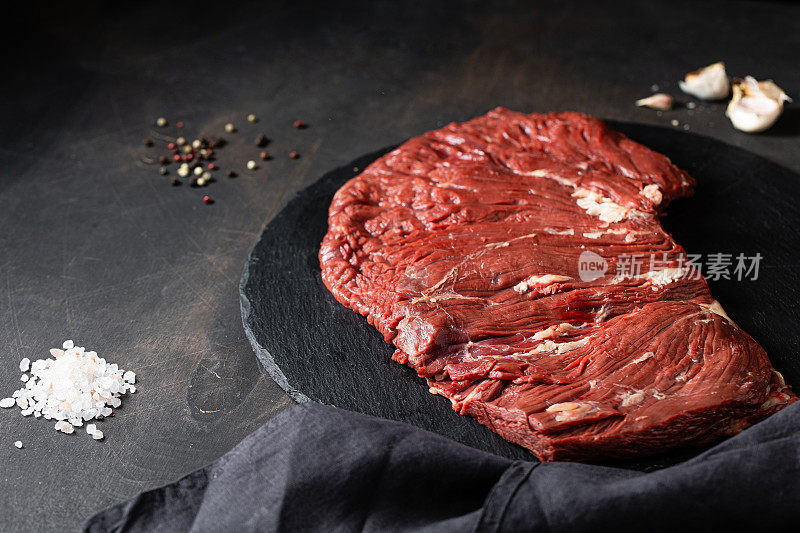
462, 246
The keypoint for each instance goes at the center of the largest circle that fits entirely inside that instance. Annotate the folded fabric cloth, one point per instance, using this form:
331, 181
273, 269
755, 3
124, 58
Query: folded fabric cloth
318, 468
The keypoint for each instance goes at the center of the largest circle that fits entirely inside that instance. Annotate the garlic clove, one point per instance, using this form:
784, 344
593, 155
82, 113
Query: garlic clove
755, 105
659, 101
708, 83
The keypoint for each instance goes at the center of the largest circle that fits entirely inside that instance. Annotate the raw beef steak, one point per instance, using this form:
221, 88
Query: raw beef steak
518, 264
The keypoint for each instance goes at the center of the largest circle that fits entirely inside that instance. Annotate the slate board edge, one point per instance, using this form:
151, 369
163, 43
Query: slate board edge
262, 354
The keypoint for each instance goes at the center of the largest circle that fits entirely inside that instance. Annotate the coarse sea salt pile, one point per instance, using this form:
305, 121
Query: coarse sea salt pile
72, 387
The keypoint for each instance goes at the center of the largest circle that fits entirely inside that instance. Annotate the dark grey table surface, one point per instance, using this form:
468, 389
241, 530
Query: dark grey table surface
96, 246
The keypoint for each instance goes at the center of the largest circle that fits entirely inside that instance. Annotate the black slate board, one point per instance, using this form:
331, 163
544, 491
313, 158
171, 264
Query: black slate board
317, 349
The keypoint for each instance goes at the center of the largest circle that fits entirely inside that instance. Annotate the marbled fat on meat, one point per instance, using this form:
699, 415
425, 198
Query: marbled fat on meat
462, 247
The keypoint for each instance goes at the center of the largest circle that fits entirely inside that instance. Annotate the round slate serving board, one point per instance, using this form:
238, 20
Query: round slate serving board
317, 349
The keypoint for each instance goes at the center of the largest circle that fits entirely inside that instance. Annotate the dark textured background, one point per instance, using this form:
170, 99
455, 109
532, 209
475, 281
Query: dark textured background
96, 246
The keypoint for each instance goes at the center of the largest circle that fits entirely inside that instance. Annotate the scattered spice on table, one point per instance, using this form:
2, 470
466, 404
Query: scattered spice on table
92, 384
161, 122
92, 431
196, 158
207, 199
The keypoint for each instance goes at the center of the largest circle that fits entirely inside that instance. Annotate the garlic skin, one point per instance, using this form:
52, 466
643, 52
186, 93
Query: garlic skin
708, 83
660, 101
755, 105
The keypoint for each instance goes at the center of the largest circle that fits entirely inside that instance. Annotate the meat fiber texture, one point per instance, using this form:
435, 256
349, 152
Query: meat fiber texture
462, 247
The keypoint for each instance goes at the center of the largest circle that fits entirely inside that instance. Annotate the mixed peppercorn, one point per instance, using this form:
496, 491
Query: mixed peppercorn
196, 159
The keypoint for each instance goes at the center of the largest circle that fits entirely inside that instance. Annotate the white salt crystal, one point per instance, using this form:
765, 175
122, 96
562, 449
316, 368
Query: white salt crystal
64, 427
18, 444
91, 428
72, 387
